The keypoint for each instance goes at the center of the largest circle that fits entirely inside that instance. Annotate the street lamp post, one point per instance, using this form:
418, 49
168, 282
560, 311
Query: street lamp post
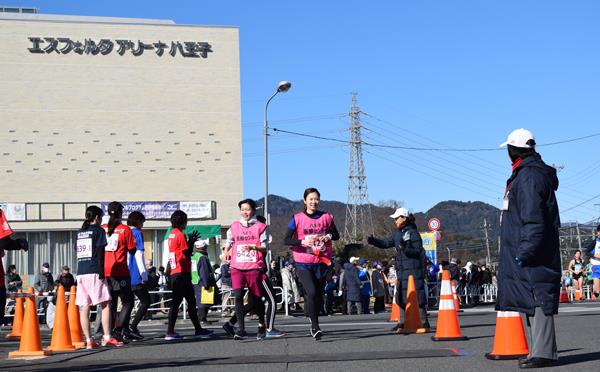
282, 87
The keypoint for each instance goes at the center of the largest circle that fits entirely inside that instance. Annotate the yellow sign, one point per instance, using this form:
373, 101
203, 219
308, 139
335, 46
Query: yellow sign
430, 245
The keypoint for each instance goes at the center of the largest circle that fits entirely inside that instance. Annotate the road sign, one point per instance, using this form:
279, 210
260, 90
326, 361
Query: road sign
434, 224
437, 235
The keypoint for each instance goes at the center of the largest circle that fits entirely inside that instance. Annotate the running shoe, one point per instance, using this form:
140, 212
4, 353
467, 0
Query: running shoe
134, 334
203, 333
112, 342
274, 333
122, 337
240, 335
316, 333
92, 344
262, 333
229, 329
173, 337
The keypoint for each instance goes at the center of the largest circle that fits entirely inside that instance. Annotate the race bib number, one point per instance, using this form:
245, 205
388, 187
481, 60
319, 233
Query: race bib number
84, 248
316, 243
172, 261
113, 243
245, 253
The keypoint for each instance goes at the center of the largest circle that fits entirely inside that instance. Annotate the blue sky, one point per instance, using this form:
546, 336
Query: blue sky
459, 74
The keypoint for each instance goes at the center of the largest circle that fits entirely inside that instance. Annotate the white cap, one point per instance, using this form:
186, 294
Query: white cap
354, 259
519, 138
200, 243
400, 212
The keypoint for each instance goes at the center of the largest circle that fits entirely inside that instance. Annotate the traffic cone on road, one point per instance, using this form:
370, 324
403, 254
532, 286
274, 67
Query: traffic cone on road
395, 316
564, 296
31, 341
448, 328
509, 341
456, 302
17, 326
61, 334
74, 323
412, 321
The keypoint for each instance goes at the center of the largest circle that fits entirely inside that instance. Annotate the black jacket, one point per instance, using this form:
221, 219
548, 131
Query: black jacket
410, 260
351, 282
529, 232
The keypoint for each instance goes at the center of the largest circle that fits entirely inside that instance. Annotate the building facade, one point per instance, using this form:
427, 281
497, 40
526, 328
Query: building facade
93, 109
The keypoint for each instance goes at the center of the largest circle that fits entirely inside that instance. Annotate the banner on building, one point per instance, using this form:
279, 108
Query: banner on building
13, 211
162, 210
430, 246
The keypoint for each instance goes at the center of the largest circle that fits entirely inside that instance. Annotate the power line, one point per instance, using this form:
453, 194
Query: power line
425, 148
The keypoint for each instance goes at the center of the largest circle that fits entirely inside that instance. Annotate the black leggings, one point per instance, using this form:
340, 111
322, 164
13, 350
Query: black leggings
254, 303
124, 293
182, 288
313, 294
144, 297
269, 311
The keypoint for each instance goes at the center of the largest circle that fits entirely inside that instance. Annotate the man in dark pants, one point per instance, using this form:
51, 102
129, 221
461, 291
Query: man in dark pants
529, 272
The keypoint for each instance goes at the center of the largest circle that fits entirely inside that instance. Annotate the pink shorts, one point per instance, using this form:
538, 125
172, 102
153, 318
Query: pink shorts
247, 279
91, 290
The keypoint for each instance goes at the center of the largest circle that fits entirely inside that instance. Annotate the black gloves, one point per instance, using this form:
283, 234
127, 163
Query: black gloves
22, 243
192, 238
371, 240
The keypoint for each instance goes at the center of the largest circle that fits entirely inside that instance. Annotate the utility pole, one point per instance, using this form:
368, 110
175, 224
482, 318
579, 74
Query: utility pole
578, 235
487, 242
359, 221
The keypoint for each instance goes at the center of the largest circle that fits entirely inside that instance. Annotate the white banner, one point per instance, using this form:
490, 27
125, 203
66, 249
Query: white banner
13, 211
198, 209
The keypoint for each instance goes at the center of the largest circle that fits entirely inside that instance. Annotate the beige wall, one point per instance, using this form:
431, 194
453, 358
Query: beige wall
79, 128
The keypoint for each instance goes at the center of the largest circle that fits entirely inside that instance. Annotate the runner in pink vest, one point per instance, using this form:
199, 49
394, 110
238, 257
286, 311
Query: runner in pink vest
246, 238
310, 233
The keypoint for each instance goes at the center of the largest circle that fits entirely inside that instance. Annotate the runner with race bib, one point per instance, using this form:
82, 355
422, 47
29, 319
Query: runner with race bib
246, 238
92, 288
310, 233
593, 252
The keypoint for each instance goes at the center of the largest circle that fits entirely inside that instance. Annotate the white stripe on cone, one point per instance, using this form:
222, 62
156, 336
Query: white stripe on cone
446, 305
446, 289
508, 314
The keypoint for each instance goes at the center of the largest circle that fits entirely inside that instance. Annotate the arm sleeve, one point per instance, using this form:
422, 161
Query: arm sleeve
531, 212
335, 235
414, 246
383, 243
139, 260
229, 241
204, 272
290, 235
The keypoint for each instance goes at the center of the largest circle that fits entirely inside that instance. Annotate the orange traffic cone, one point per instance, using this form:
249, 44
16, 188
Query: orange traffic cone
412, 318
395, 317
448, 328
74, 323
577, 295
564, 296
456, 302
31, 341
61, 334
17, 326
509, 341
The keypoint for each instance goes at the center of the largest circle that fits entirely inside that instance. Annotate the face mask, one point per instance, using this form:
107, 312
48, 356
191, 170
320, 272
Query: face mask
44, 269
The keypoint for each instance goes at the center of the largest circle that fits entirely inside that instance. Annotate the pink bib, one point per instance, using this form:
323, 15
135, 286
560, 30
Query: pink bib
242, 256
307, 227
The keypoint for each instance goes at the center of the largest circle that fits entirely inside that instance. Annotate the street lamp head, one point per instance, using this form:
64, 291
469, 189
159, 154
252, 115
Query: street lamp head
283, 86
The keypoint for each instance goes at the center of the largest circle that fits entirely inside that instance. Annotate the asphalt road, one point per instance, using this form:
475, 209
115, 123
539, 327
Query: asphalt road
350, 343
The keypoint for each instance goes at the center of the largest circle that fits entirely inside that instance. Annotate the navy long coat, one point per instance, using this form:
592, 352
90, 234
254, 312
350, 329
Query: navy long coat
351, 282
529, 233
410, 260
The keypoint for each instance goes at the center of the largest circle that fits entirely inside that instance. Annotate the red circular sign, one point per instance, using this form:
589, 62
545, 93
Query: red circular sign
434, 224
